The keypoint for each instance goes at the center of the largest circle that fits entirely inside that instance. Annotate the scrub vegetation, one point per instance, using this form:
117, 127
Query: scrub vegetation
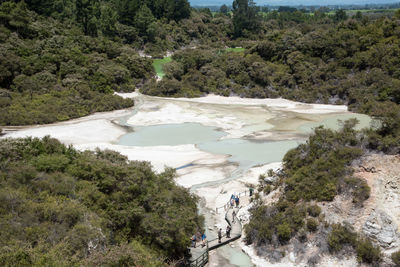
316, 171
61, 207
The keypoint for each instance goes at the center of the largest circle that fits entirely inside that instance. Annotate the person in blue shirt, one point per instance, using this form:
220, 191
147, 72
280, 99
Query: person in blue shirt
203, 239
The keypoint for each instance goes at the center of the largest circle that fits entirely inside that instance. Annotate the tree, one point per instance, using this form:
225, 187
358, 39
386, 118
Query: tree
245, 17
181, 10
86, 14
224, 9
143, 19
108, 20
126, 11
340, 15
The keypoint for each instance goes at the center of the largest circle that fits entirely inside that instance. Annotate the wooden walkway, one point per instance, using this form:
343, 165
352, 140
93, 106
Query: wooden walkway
199, 255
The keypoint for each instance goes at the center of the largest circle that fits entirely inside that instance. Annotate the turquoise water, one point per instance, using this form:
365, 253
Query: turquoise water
332, 122
248, 153
244, 152
171, 135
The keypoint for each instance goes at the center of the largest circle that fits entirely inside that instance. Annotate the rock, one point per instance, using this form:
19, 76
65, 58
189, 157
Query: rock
292, 258
380, 227
270, 179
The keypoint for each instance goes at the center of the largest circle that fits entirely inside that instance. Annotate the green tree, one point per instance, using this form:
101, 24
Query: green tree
340, 15
224, 9
245, 17
86, 15
108, 19
126, 11
143, 19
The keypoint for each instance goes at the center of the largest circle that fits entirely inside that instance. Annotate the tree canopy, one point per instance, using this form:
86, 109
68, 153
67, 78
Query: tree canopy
61, 207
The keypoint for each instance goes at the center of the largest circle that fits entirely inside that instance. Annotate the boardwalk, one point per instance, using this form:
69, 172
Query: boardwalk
200, 254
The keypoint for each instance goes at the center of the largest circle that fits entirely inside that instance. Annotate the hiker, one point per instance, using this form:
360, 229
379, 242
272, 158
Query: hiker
251, 191
237, 201
203, 240
219, 235
228, 231
198, 236
193, 241
233, 216
232, 202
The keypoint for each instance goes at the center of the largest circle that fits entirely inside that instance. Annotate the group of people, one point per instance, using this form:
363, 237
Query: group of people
235, 200
197, 237
228, 233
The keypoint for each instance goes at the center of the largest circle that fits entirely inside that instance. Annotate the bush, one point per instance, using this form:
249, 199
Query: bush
314, 210
361, 193
312, 224
267, 189
340, 236
284, 232
396, 258
368, 253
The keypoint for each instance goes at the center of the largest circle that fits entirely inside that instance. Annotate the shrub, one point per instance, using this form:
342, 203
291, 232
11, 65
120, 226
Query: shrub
361, 193
340, 236
396, 256
314, 210
368, 253
312, 224
267, 189
284, 232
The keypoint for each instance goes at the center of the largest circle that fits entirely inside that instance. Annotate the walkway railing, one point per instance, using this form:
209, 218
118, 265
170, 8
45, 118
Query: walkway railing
201, 260
213, 243
228, 204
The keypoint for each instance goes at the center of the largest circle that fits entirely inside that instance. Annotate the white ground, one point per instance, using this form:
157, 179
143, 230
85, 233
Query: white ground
237, 116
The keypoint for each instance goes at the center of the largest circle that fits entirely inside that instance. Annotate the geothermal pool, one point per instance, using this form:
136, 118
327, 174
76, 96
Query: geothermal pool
218, 144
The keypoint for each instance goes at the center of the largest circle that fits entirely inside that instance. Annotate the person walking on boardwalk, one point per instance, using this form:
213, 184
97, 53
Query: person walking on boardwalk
203, 240
228, 231
193, 241
237, 201
219, 235
233, 216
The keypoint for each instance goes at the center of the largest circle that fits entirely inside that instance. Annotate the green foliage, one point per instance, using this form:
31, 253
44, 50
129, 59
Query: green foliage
315, 169
367, 252
360, 189
61, 207
314, 210
396, 258
321, 58
284, 232
312, 224
282, 220
53, 73
132, 254
341, 236
245, 17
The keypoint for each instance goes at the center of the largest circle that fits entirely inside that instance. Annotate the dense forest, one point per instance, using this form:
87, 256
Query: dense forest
65, 59
61, 207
